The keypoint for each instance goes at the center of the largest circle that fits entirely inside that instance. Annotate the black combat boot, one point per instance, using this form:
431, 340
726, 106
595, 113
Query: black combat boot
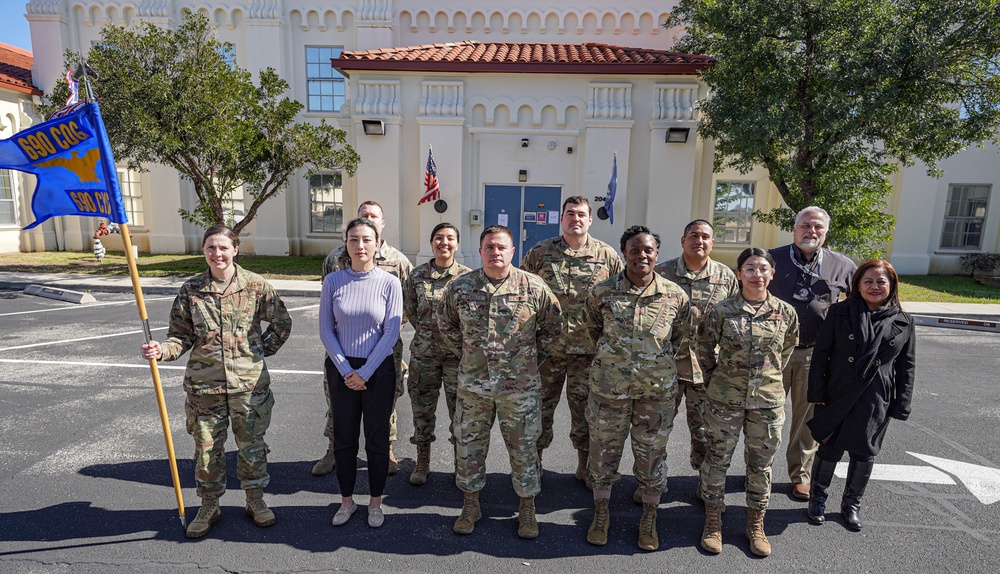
858, 474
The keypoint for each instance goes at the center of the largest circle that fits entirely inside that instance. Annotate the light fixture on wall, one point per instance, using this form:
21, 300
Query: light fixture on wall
522, 175
524, 142
678, 135
373, 127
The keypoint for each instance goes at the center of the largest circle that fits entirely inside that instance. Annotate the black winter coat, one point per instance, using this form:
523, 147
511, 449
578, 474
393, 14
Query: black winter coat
857, 411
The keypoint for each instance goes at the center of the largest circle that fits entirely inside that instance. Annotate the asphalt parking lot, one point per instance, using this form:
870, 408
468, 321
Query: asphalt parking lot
86, 485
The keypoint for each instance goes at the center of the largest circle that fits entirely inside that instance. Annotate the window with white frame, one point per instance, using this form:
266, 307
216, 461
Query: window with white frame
733, 212
326, 198
965, 216
228, 53
8, 211
128, 180
324, 85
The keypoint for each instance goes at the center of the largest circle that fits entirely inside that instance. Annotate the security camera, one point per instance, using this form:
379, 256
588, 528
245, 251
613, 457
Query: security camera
524, 142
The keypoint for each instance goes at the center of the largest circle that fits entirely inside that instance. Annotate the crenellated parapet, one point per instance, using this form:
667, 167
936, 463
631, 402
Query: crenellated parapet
535, 21
322, 18
525, 113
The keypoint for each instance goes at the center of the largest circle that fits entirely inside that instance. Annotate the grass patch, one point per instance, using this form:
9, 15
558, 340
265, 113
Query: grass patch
163, 265
946, 289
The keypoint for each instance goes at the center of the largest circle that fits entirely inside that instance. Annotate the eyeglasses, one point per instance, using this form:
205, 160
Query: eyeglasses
751, 271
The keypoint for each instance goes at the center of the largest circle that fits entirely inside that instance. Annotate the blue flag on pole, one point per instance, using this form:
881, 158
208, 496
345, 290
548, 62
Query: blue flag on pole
609, 201
71, 157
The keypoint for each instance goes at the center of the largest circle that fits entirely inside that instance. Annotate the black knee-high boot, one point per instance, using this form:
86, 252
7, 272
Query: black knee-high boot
858, 474
822, 476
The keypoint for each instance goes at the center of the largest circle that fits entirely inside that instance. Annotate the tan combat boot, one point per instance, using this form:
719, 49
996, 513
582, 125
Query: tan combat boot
711, 536
527, 523
208, 515
648, 539
419, 474
471, 512
393, 463
325, 465
755, 532
598, 532
257, 508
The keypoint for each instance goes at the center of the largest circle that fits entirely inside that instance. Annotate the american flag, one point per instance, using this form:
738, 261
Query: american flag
74, 92
431, 188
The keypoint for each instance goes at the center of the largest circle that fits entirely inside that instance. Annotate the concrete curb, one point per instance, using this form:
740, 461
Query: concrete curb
67, 295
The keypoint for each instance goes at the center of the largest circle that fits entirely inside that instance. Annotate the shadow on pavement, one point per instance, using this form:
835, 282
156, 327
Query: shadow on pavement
406, 529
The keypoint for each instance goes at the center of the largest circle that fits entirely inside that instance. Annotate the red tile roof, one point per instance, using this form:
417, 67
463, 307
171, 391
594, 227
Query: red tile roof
524, 57
15, 69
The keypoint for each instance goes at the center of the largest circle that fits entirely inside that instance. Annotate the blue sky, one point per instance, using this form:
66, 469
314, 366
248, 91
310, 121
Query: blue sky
15, 28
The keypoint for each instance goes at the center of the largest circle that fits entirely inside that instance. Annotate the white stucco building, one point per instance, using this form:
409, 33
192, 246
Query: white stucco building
524, 106
16, 113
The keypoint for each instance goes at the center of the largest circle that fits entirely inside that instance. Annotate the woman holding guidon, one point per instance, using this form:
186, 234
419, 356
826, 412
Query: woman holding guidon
217, 316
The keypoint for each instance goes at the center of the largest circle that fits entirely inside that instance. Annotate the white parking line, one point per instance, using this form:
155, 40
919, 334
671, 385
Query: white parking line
90, 338
93, 337
142, 366
89, 306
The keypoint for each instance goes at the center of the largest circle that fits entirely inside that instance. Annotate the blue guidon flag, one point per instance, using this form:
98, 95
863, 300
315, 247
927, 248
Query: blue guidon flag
609, 201
71, 157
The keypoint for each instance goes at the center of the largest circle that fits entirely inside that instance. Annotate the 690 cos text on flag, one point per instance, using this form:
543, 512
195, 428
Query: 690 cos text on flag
71, 157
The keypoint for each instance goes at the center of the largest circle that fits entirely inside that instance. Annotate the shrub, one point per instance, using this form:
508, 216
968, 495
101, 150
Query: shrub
980, 263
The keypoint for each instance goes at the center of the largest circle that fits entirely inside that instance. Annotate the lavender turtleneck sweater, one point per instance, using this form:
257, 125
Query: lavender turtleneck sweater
360, 315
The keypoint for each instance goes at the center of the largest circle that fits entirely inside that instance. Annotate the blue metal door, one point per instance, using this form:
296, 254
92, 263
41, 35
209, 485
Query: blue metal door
530, 212
503, 207
540, 214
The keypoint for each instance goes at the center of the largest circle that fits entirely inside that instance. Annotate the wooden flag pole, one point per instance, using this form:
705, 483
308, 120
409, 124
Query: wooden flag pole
133, 272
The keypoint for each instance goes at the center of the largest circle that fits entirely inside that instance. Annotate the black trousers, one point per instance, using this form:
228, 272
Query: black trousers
371, 407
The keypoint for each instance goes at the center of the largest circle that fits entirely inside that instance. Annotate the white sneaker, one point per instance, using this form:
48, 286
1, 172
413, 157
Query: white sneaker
344, 514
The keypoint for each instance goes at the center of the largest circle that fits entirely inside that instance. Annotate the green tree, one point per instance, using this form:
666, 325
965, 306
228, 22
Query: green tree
833, 96
170, 97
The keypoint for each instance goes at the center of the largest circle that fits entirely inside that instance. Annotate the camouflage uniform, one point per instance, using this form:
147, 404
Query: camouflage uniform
226, 378
501, 334
705, 288
633, 379
570, 274
744, 390
389, 259
432, 364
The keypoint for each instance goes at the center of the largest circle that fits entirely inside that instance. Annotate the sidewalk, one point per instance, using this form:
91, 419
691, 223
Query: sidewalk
170, 286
